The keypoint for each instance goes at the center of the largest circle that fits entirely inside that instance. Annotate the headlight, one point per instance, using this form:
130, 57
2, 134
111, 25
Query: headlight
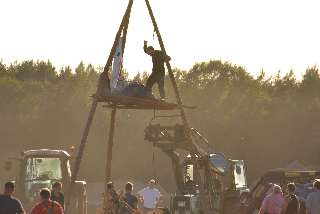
181, 203
176, 212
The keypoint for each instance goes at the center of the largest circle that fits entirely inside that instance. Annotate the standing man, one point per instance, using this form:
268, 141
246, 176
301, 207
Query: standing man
272, 203
9, 204
313, 199
158, 71
151, 197
291, 203
130, 199
46, 206
57, 195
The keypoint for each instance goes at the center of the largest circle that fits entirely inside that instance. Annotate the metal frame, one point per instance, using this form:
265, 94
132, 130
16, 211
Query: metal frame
123, 29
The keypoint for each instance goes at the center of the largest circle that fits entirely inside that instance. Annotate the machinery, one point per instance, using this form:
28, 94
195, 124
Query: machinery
187, 198
41, 169
301, 179
303, 188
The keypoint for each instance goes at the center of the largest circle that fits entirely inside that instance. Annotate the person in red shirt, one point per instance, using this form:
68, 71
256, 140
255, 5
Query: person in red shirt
46, 206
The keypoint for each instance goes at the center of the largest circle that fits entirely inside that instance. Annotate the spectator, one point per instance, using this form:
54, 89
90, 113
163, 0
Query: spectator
57, 195
112, 198
111, 189
272, 203
46, 206
151, 197
313, 199
9, 204
291, 203
130, 199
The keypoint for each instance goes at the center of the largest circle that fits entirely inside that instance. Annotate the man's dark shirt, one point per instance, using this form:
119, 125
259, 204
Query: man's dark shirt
10, 205
59, 199
130, 199
158, 62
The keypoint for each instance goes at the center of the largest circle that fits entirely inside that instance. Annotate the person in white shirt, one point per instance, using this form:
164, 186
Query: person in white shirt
150, 197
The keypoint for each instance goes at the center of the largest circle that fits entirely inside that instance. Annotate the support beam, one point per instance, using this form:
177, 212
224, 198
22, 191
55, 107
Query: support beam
94, 107
109, 154
110, 145
183, 115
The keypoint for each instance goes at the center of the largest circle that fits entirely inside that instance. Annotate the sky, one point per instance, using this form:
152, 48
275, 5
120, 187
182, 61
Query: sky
270, 35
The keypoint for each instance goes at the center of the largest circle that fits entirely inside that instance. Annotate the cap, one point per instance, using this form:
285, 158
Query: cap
9, 185
276, 189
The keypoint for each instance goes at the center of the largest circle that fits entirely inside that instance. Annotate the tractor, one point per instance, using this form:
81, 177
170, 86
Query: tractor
301, 179
41, 169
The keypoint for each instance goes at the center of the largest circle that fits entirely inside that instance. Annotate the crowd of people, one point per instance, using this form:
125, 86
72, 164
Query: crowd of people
53, 201
149, 196
50, 202
289, 204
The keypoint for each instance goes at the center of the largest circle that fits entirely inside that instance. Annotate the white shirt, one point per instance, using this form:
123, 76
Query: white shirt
149, 197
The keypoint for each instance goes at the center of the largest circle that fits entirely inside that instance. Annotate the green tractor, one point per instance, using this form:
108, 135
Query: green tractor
187, 198
41, 169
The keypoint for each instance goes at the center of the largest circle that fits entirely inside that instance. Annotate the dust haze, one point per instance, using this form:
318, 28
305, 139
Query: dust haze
269, 122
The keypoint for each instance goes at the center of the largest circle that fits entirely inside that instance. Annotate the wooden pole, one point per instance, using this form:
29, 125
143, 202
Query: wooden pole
94, 106
183, 115
110, 145
109, 155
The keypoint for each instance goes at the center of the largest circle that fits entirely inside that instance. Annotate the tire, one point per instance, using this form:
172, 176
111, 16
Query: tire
214, 211
231, 206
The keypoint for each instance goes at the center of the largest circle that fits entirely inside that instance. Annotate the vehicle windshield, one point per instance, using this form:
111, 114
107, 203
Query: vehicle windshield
43, 168
239, 175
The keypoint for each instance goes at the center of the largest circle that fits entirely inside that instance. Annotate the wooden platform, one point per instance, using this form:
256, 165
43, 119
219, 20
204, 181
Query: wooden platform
126, 102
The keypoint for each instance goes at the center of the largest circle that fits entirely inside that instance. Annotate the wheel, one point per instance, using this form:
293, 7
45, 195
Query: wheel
214, 211
231, 206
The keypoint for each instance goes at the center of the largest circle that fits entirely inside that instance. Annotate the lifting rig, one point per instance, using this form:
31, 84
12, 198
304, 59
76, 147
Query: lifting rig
225, 199
133, 103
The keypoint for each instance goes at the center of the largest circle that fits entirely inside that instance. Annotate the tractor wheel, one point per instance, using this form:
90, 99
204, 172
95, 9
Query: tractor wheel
214, 211
231, 206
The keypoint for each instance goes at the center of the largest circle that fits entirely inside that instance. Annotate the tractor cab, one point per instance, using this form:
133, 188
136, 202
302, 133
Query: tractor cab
41, 169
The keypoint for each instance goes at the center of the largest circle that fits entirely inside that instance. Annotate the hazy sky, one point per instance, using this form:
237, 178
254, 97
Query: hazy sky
256, 34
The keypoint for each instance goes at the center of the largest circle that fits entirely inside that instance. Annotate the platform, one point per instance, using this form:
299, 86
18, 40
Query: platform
127, 102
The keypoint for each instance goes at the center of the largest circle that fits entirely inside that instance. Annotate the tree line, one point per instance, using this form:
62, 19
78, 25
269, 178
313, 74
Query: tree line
269, 122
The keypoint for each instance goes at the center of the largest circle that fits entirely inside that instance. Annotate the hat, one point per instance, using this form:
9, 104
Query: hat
276, 189
9, 185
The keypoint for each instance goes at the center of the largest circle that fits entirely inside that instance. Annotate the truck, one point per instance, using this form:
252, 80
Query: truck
41, 168
187, 199
253, 200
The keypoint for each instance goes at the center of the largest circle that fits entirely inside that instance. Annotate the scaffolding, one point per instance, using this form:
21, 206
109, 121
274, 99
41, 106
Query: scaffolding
126, 102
